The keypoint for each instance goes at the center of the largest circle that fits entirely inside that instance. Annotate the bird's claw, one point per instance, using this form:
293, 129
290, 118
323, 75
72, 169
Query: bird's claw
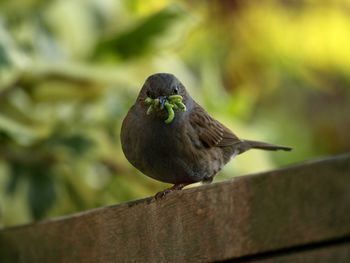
163, 193
175, 187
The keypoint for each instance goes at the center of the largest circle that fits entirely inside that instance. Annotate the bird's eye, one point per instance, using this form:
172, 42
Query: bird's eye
148, 93
176, 90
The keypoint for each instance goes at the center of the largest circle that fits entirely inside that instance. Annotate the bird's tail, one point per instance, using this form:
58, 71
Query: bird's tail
266, 146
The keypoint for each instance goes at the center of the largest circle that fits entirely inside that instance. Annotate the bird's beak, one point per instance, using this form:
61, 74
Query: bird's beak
162, 101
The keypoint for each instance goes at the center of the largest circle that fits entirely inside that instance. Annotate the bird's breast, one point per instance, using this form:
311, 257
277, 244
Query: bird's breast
171, 152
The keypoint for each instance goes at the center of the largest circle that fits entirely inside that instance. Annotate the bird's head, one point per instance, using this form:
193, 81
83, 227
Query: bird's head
163, 95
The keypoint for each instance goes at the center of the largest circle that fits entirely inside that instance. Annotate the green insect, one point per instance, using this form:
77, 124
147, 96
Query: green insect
173, 102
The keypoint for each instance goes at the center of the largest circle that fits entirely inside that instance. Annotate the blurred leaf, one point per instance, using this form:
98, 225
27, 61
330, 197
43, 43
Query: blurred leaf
4, 59
16, 174
20, 132
139, 39
41, 192
74, 195
77, 143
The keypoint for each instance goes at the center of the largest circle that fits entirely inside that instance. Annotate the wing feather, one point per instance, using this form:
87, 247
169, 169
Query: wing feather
210, 131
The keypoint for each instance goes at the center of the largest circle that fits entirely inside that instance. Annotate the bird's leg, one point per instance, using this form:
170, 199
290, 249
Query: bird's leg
175, 187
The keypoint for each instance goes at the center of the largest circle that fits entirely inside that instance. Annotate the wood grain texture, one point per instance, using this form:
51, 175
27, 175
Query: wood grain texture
243, 216
328, 254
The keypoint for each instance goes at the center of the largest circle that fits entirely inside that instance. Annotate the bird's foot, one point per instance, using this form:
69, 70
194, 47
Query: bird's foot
163, 193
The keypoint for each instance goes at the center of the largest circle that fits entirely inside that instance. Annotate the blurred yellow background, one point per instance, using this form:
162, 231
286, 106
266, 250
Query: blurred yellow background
270, 70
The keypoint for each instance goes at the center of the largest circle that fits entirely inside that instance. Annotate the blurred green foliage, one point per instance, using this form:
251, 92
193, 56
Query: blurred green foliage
69, 70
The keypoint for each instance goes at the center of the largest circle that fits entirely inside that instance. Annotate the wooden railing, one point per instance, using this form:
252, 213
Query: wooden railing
297, 214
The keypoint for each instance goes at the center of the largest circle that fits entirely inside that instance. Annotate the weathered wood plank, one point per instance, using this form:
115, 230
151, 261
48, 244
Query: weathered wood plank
247, 215
328, 254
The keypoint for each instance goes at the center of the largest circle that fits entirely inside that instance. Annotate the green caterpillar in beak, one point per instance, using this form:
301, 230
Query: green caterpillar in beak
173, 102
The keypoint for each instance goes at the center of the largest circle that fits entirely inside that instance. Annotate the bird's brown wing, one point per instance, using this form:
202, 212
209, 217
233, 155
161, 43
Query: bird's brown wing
211, 132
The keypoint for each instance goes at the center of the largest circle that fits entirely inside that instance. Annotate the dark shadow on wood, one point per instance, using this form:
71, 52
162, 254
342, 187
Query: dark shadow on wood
334, 244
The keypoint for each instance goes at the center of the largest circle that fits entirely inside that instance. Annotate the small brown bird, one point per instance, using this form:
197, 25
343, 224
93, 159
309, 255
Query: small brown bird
181, 147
